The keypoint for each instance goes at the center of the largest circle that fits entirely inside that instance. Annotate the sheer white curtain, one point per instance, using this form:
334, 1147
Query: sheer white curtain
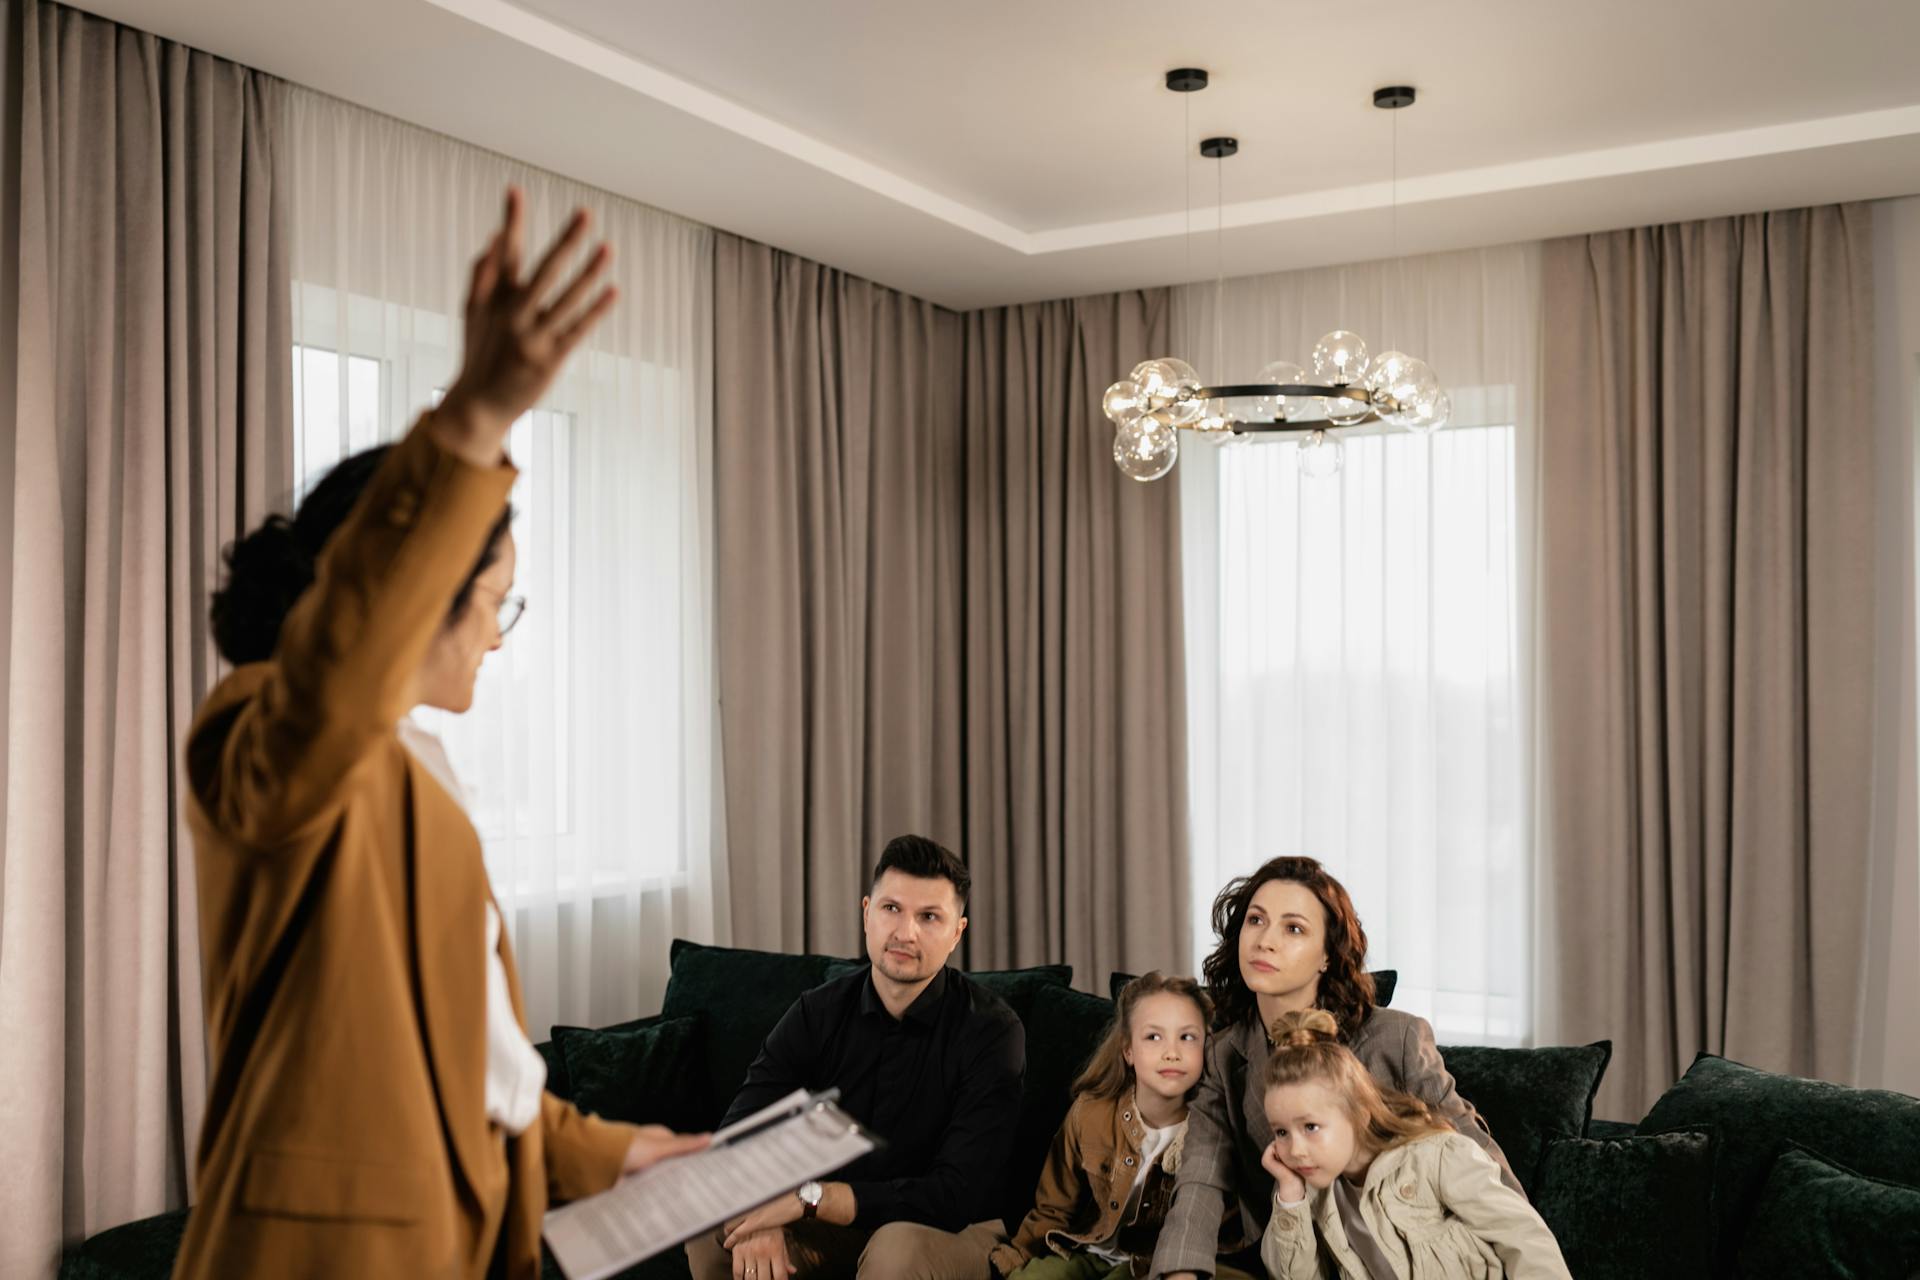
1357, 646
589, 757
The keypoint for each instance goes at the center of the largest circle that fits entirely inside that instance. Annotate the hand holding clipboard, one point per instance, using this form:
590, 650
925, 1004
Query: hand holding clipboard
800, 1138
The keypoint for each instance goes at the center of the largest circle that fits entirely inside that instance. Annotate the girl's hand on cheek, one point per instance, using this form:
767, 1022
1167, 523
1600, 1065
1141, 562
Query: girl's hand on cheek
1287, 1185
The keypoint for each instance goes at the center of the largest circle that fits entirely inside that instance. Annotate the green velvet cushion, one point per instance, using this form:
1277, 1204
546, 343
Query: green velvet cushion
549, 1050
1630, 1208
743, 993
557, 1083
1817, 1218
1384, 981
1529, 1097
1063, 1027
132, 1251
1871, 1131
1016, 986
655, 1074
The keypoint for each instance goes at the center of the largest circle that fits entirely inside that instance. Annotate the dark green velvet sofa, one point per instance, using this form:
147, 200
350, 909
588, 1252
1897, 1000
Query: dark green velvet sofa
1735, 1172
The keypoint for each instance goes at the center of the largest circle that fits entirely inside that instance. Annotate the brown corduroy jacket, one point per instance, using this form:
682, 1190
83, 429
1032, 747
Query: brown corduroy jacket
342, 915
1085, 1185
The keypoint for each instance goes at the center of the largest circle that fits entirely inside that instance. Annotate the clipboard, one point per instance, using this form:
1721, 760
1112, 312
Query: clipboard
801, 1138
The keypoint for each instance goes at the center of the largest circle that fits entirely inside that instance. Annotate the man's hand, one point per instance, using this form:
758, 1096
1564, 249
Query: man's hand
653, 1143
770, 1216
762, 1256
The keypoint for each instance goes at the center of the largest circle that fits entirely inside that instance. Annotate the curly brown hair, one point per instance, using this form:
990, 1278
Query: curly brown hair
1346, 988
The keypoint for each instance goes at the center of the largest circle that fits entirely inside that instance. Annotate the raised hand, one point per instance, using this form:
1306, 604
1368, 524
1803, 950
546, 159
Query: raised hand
519, 332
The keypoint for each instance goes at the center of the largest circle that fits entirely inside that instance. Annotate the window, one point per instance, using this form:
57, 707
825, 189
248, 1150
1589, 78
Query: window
1367, 706
515, 749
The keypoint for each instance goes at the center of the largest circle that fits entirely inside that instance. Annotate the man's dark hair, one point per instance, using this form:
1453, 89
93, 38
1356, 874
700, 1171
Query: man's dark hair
920, 857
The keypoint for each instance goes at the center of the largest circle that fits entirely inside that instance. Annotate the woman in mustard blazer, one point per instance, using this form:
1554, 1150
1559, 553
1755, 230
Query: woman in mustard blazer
375, 1109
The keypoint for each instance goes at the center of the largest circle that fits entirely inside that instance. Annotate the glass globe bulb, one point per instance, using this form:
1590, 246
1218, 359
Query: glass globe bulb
1284, 373
1429, 413
1162, 379
1185, 413
1183, 373
1122, 401
1218, 417
1145, 450
1396, 382
1344, 411
1340, 357
1320, 455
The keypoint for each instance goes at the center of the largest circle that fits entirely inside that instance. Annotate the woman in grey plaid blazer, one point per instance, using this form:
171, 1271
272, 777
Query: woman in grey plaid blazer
1289, 939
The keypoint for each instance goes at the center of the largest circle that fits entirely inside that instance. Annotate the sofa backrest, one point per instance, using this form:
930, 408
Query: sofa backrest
742, 994
1756, 1115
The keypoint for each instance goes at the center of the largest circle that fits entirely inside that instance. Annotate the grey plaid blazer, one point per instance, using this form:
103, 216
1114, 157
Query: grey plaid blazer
1227, 1129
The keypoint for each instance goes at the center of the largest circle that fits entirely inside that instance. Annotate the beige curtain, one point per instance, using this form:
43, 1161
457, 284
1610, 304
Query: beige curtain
1076, 796
837, 467
1707, 480
149, 424
941, 609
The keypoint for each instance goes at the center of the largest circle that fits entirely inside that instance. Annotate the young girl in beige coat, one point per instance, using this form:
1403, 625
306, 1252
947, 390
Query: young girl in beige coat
1370, 1185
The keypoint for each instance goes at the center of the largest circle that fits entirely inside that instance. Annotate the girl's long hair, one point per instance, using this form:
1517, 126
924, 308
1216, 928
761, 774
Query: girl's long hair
1107, 1074
1307, 1048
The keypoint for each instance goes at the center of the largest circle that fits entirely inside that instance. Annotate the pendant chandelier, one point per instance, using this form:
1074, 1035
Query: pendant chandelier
1344, 384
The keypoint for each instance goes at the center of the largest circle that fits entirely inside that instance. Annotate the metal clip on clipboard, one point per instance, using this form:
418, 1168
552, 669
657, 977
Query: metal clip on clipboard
819, 1108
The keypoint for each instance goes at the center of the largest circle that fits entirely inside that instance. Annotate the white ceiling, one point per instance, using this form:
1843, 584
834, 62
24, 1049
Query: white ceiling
1004, 150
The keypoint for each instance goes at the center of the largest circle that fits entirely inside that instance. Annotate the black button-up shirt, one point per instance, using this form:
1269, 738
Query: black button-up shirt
941, 1085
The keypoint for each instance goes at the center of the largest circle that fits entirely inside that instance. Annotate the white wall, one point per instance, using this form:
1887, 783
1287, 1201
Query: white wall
1890, 1016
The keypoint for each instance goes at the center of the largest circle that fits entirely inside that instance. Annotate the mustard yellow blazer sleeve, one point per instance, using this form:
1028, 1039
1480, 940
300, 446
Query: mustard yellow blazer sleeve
584, 1153
350, 648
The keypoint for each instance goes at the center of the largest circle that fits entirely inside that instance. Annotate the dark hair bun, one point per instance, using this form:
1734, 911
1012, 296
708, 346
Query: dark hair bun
266, 572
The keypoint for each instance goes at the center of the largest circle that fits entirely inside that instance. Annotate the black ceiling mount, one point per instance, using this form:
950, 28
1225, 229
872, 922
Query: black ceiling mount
1219, 148
1393, 97
1189, 80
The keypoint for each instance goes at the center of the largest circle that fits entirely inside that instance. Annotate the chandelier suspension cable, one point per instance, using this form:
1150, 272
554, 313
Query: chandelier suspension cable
1393, 202
1186, 170
1219, 256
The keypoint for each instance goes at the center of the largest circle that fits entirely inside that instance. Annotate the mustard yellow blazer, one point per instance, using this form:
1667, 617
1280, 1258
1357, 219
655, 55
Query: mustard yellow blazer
342, 919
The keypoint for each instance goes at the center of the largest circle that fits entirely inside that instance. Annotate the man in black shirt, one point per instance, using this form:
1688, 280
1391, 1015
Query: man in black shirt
923, 1056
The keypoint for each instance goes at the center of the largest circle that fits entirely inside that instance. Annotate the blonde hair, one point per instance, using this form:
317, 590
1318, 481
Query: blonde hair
1307, 1048
1107, 1074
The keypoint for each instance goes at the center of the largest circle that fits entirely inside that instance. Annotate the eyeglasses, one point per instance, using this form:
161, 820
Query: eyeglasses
511, 607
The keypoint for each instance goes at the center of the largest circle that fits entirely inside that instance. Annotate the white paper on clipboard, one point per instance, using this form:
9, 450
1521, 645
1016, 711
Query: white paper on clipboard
756, 1159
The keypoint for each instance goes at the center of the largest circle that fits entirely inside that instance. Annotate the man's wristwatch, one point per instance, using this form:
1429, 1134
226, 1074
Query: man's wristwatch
810, 1193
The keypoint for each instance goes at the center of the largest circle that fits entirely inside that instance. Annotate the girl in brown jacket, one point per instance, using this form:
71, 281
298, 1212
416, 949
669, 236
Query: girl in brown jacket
1109, 1178
1370, 1184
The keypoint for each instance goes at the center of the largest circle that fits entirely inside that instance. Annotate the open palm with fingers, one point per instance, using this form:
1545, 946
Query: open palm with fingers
520, 330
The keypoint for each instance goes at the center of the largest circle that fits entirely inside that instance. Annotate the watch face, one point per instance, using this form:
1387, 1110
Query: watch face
810, 1192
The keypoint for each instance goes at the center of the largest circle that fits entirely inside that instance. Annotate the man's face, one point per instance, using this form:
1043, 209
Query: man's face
913, 925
